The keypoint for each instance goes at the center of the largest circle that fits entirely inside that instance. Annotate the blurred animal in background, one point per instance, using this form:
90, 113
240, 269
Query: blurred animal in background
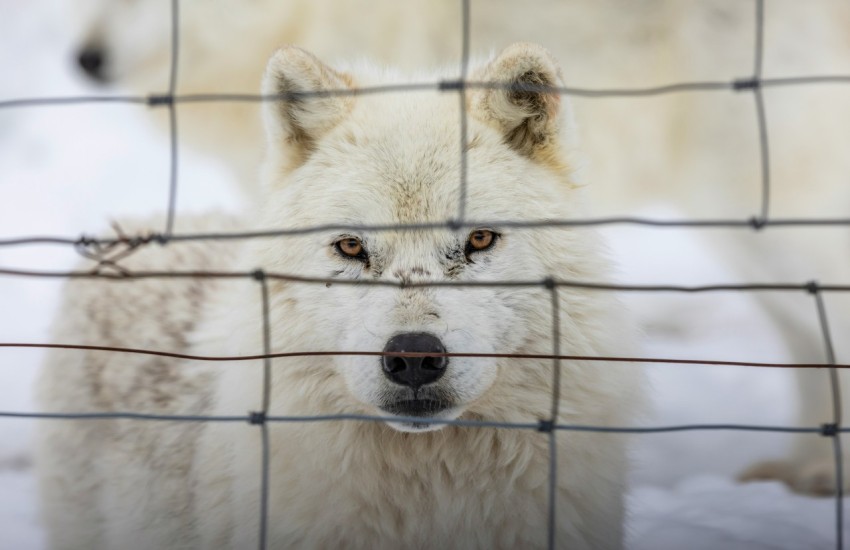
697, 149
403, 482
223, 46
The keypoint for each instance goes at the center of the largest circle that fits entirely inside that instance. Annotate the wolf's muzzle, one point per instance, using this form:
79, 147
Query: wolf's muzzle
414, 372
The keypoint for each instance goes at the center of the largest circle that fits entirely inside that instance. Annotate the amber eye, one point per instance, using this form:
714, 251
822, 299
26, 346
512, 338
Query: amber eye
480, 239
351, 247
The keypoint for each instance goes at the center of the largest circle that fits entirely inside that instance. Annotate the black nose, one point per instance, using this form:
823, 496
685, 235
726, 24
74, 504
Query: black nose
414, 371
93, 61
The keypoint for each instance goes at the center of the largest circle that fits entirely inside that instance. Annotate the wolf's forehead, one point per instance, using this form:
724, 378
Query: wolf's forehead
417, 244
400, 161
415, 196
415, 174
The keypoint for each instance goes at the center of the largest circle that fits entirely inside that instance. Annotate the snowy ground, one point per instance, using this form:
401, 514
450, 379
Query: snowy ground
69, 170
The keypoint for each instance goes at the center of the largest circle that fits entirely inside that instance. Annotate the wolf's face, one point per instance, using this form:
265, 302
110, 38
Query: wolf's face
426, 320
387, 160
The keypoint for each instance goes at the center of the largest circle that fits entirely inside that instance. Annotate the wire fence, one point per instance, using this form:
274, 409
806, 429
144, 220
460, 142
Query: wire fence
108, 252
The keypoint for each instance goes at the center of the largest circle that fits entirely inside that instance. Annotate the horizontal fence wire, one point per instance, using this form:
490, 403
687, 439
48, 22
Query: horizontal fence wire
159, 100
515, 356
542, 426
162, 239
107, 252
120, 274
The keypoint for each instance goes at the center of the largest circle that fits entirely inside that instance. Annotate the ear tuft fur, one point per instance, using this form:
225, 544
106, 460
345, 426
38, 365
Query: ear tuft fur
524, 109
305, 111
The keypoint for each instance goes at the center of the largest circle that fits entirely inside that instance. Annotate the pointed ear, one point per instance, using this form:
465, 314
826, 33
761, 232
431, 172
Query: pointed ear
305, 111
522, 107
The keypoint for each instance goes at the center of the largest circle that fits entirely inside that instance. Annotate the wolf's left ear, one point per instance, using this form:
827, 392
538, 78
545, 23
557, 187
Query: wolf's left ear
307, 108
522, 104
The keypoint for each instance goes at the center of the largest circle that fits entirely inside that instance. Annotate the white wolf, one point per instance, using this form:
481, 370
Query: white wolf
364, 160
699, 149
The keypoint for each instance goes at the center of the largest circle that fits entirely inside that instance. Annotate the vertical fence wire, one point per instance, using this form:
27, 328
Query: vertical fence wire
761, 117
833, 430
464, 123
261, 417
554, 413
172, 120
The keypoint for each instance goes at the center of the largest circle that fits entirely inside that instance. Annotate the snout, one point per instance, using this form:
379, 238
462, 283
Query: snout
413, 390
414, 372
92, 60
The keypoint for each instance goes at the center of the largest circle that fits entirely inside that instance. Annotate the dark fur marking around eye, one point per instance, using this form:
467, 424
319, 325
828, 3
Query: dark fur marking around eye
464, 254
455, 262
334, 273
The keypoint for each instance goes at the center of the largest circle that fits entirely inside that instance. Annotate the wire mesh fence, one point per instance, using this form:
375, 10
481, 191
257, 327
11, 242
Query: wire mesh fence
108, 253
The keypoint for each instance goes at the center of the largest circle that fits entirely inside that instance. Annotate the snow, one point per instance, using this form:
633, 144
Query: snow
708, 512
69, 170
19, 525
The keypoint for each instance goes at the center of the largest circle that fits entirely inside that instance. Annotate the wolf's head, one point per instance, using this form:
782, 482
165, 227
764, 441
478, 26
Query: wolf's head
358, 162
122, 41
129, 42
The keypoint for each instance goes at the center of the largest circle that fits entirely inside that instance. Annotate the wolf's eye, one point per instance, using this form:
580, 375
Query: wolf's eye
480, 240
351, 247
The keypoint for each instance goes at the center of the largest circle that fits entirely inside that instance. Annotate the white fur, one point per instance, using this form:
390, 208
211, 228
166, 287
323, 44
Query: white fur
359, 160
90, 472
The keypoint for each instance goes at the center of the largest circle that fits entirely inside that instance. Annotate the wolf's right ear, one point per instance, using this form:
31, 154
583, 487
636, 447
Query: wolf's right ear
523, 103
307, 108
